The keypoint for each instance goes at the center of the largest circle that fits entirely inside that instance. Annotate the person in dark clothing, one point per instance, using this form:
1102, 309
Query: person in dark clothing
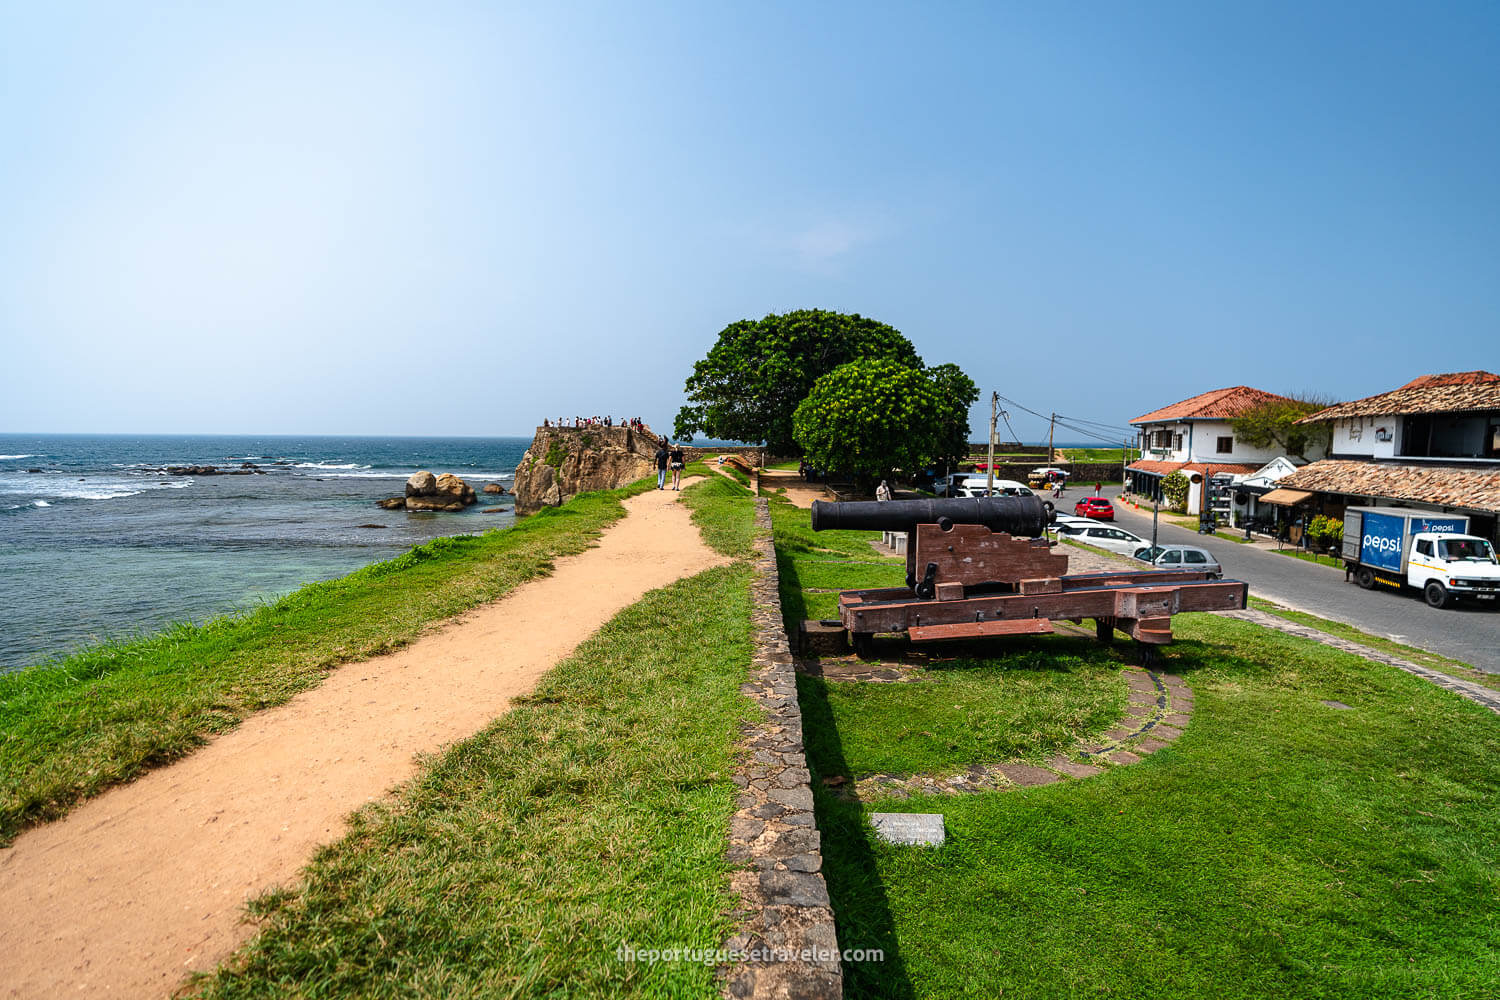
662, 456
677, 464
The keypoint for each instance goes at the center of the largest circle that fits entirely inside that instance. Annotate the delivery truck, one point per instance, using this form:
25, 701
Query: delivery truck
1397, 547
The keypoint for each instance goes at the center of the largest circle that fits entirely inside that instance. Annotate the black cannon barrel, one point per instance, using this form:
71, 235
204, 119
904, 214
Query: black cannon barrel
1022, 516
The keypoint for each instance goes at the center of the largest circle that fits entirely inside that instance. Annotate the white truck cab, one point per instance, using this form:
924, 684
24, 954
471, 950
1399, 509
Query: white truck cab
1402, 547
1445, 567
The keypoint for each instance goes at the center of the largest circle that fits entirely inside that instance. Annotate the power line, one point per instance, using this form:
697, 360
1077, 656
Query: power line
1087, 434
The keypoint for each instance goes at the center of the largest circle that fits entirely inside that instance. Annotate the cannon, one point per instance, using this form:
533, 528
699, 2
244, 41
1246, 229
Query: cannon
976, 568
1026, 516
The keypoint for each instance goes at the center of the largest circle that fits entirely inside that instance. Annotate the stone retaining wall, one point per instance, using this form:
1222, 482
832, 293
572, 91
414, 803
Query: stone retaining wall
784, 902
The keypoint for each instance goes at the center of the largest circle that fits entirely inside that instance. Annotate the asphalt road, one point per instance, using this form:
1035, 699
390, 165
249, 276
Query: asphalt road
1467, 632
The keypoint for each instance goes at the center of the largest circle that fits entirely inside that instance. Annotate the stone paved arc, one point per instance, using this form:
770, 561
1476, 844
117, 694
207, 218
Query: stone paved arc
1167, 703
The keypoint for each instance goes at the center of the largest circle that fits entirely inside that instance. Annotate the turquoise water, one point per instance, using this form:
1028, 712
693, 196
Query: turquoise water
97, 542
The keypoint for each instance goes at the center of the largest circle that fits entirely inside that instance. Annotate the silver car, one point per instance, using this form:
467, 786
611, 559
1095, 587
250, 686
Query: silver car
1183, 557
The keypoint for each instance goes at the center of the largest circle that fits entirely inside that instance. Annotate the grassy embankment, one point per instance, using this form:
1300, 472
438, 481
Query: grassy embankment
592, 814
1320, 558
1279, 848
71, 728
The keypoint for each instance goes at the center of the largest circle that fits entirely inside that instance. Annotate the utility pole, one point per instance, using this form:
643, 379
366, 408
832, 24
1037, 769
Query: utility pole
990, 479
1051, 429
1124, 464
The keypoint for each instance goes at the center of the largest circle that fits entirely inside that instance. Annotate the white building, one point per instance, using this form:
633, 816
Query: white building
1194, 437
1433, 444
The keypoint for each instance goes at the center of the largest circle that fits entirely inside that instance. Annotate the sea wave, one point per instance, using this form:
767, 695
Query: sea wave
373, 474
6, 458
86, 491
329, 465
40, 503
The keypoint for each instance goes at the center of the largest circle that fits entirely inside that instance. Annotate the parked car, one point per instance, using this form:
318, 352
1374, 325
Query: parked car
1188, 557
1060, 520
976, 486
1104, 536
949, 485
1095, 507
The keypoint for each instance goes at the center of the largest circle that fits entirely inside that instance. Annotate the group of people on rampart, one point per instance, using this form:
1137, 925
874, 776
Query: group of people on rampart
635, 423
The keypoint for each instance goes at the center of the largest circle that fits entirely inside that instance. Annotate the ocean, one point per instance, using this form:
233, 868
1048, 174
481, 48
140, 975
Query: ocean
97, 541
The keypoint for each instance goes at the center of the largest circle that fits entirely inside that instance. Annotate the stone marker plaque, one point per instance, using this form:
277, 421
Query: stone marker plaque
908, 828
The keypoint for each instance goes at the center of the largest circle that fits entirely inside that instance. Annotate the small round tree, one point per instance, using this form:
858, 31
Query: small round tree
1175, 489
871, 417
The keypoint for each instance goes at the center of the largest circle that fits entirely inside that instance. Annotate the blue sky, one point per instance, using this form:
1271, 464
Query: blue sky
458, 218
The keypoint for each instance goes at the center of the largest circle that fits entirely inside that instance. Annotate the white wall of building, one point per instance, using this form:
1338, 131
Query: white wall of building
1371, 437
1199, 442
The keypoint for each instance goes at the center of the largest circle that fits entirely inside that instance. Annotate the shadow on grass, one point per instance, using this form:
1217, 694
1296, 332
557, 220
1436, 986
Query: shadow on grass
861, 907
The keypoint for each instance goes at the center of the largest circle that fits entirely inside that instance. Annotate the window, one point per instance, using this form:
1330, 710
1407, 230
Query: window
1193, 556
1225, 446
1176, 442
1171, 558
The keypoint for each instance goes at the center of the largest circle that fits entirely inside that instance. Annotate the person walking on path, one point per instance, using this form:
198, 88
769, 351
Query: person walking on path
677, 464
1098, 488
661, 465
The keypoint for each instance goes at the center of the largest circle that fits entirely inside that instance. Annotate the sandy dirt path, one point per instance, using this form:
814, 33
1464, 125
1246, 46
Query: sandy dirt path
146, 883
798, 491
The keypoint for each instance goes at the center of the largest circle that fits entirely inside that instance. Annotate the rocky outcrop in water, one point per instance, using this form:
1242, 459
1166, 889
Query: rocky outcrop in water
424, 491
563, 462
245, 469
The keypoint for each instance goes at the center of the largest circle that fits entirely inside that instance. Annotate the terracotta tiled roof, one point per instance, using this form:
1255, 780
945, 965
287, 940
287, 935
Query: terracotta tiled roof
1206, 468
1452, 378
1155, 468
1475, 489
1214, 468
1452, 393
1218, 404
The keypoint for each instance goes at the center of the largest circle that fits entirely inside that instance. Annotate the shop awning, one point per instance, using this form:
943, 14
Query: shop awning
1286, 498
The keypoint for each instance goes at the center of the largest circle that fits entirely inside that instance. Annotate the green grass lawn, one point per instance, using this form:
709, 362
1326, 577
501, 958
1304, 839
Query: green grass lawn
1421, 657
1100, 454
983, 711
592, 814
1321, 558
73, 727
1279, 848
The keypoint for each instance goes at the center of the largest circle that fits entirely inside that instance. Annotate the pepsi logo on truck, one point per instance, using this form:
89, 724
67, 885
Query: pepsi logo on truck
1384, 536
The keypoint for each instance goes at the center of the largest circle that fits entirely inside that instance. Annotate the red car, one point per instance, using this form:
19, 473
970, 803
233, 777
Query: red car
1095, 507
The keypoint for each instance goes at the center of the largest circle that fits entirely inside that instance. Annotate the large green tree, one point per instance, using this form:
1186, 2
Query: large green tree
956, 393
1274, 424
758, 371
874, 416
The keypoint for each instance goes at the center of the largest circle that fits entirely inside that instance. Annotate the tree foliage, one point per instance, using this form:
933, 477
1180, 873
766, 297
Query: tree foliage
759, 371
1274, 424
873, 416
956, 393
1175, 489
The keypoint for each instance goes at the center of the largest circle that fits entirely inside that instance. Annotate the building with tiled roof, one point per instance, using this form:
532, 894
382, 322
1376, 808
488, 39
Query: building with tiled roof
1194, 436
1433, 444
1452, 416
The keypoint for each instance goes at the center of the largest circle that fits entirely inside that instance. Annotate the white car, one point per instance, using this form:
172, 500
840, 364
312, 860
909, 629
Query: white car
1104, 536
1059, 520
949, 485
976, 486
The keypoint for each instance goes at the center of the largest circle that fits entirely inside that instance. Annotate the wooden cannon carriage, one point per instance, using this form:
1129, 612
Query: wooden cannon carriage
975, 570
